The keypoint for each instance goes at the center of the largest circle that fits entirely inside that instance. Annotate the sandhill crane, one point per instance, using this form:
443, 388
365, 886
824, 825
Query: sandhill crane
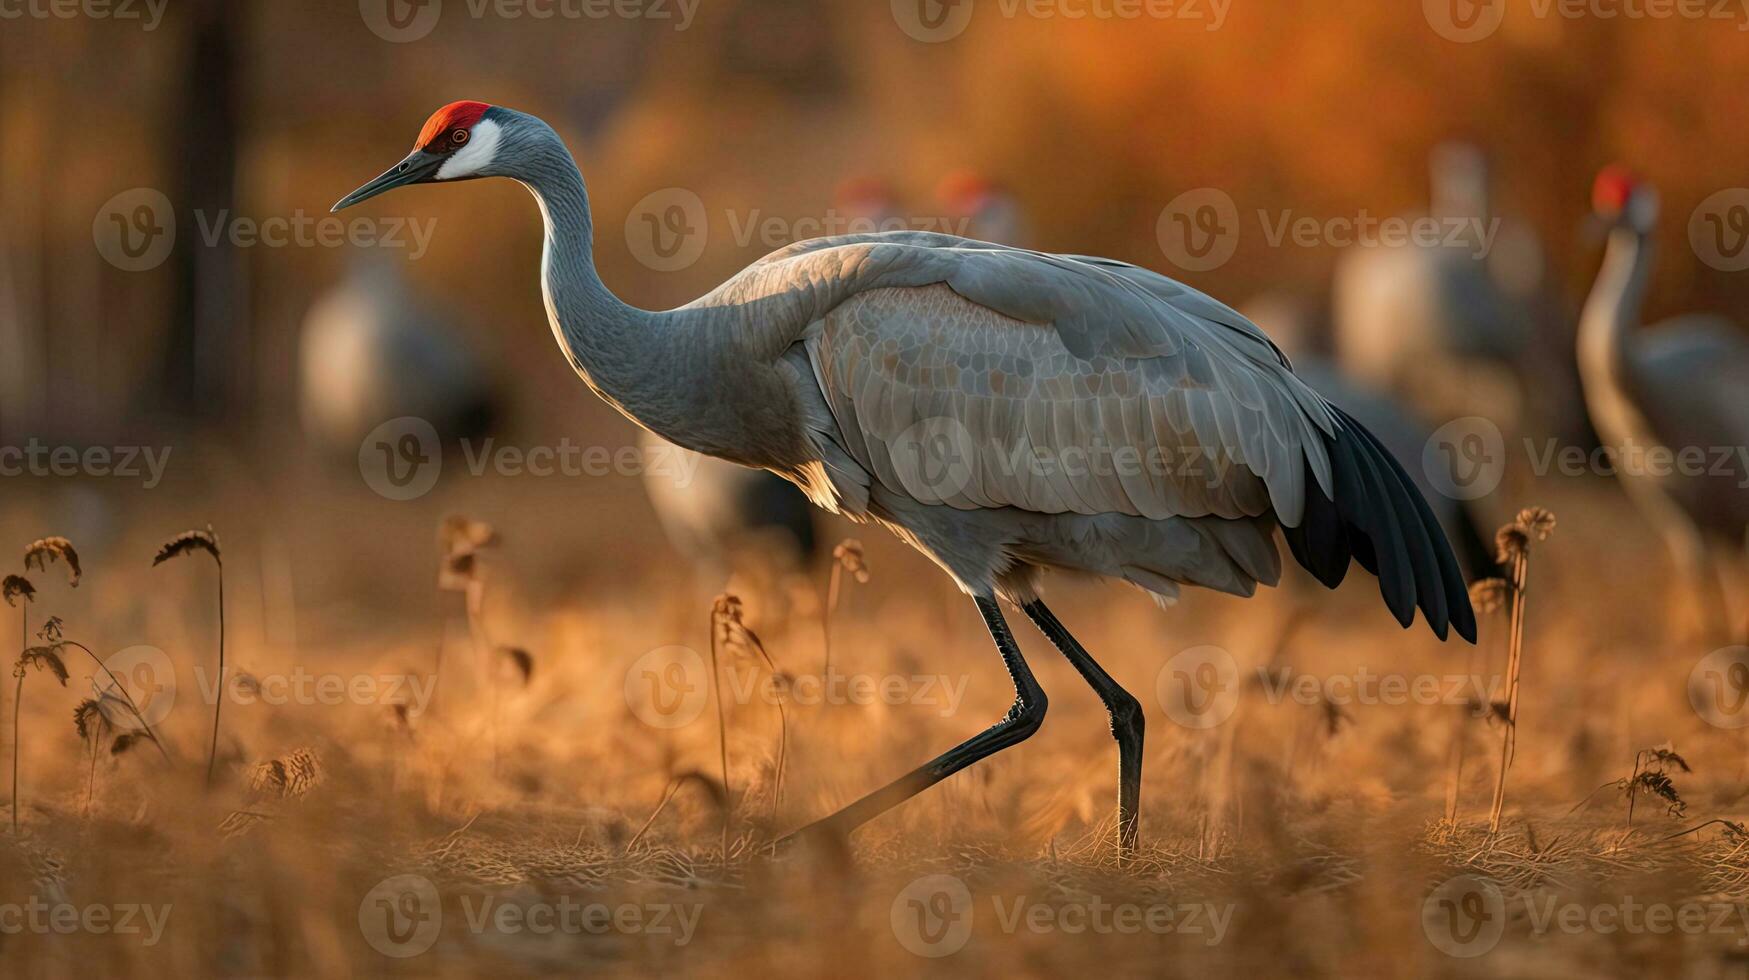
1677, 388
988, 405
987, 210
371, 352
1301, 330
1459, 325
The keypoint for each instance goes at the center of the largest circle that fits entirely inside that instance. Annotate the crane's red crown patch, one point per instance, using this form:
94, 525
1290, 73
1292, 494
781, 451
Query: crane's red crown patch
1615, 184
456, 115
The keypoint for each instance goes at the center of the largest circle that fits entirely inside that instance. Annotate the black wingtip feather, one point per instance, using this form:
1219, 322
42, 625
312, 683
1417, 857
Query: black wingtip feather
1379, 520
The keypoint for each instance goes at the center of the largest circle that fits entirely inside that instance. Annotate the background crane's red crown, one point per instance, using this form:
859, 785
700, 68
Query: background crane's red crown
965, 189
456, 115
1615, 184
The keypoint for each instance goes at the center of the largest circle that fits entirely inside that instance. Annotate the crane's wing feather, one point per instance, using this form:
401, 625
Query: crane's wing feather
1064, 384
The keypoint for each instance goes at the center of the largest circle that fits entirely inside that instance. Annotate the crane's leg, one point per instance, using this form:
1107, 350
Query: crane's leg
1024, 718
1126, 721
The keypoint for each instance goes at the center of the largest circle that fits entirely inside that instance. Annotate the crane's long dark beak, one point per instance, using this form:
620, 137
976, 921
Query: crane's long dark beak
418, 168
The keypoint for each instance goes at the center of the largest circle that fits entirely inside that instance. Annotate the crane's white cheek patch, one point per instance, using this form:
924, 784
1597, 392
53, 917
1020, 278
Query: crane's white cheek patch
482, 147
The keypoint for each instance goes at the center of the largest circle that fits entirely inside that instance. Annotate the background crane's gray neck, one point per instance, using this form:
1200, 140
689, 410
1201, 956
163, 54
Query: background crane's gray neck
1611, 313
1613, 309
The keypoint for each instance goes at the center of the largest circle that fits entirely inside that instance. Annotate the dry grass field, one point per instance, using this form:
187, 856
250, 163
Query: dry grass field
389, 800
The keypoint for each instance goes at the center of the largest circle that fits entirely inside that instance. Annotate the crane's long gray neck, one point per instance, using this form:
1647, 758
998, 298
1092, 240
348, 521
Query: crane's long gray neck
634, 359
1611, 312
665, 371
601, 336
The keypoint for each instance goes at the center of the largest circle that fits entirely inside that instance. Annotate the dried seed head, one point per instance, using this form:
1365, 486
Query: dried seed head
124, 741
188, 542
1658, 784
521, 659
1665, 755
87, 718
42, 658
727, 608
1489, 594
1538, 522
289, 776
45, 552
459, 534
17, 587
51, 630
1510, 542
461, 539
849, 554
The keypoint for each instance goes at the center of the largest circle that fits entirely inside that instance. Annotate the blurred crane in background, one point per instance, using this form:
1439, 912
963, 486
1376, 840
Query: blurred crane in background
897, 377
1463, 326
1680, 387
372, 351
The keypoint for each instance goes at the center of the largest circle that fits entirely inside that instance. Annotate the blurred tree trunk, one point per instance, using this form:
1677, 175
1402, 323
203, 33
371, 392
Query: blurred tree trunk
23, 385
207, 357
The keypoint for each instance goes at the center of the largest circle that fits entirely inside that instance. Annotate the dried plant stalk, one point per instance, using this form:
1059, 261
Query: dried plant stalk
1514, 541
187, 543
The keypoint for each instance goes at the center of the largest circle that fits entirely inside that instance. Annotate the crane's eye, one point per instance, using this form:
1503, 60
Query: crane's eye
459, 137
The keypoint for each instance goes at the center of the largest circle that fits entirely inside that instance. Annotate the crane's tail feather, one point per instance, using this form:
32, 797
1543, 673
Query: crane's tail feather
1379, 519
